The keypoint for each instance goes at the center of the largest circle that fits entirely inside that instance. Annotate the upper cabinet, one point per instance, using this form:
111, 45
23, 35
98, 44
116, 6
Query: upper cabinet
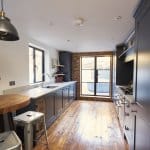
65, 59
142, 17
124, 70
142, 21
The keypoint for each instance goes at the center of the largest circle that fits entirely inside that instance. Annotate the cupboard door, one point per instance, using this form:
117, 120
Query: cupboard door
129, 128
65, 58
142, 134
72, 92
40, 107
50, 109
65, 97
58, 102
143, 59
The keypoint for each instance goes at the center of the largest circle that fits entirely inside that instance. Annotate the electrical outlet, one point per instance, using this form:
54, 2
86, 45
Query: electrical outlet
12, 83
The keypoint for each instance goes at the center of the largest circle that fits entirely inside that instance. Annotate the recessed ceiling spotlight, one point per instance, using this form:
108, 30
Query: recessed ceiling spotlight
68, 40
79, 22
118, 18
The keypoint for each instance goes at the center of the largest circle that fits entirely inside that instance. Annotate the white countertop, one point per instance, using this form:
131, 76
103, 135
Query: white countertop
41, 91
128, 97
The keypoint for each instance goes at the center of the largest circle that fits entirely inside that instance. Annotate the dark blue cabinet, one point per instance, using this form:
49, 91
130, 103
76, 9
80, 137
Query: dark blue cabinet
65, 58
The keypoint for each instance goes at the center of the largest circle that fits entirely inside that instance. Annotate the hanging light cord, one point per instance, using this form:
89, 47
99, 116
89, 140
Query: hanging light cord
2, 5
2, 13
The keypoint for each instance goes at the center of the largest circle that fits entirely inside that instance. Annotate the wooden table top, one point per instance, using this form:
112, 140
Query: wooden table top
12, 102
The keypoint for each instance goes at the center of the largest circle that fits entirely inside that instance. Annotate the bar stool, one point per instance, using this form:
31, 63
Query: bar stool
10, 141
27, 120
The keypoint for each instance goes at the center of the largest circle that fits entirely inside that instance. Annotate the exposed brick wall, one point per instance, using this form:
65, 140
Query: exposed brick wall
76, 70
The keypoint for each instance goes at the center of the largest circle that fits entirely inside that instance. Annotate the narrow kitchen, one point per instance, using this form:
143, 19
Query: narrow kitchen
74, 75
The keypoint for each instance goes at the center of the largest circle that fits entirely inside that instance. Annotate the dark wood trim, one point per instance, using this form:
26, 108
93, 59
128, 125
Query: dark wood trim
96, 98
94, 53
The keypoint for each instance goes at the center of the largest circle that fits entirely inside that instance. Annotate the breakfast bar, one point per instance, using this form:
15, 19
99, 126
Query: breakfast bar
10, 103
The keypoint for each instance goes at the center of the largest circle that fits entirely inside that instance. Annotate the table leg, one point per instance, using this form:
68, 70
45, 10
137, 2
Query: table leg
1, 124
10, 121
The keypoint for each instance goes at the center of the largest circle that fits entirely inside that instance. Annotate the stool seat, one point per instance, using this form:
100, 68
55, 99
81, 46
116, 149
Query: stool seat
10, 141
28, 117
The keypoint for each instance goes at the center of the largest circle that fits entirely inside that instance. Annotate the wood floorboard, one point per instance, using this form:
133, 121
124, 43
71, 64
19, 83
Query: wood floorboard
86, 125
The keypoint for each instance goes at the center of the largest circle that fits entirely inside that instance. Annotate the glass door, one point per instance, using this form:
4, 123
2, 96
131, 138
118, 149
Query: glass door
95, 76
103, 75
87, 75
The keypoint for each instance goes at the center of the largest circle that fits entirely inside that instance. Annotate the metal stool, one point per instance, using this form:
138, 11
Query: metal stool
27, 120
10, 141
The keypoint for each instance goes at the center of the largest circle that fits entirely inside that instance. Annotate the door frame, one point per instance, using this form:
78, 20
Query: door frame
95, 75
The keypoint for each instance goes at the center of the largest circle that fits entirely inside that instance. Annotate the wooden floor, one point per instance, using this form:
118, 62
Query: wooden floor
86, 125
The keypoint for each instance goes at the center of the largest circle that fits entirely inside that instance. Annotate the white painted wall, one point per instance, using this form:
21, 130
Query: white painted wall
14, 62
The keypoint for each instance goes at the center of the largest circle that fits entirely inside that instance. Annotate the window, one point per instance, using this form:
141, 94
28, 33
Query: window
95, 75
36, 65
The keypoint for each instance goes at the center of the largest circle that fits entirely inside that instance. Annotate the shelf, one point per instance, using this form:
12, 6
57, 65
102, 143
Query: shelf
59, 65
126, 51
59, 74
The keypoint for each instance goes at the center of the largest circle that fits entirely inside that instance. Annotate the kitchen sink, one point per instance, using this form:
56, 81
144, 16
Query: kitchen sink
50, 87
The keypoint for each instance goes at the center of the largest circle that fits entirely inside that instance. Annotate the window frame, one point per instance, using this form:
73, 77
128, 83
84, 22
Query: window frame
95, 75
34, 64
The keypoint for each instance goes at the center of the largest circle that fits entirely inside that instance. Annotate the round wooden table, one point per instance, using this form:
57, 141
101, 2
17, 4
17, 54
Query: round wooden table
10, 103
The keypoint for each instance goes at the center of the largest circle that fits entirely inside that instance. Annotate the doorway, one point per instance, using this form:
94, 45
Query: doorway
95, 73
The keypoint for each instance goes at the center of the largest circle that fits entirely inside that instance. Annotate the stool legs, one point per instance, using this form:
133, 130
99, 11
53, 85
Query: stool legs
2, 129
45, 132
28, 137
28, 119
10, 121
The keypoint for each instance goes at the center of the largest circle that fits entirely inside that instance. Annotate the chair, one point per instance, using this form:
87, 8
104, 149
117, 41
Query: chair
10, 141
27, 120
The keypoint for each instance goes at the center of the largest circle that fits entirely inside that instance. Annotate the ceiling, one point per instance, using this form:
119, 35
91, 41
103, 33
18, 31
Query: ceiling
52, 22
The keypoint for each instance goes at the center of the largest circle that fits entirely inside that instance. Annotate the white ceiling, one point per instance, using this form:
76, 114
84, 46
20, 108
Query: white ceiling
51, 22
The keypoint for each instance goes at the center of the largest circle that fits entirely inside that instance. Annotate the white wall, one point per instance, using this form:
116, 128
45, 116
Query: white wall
14, 62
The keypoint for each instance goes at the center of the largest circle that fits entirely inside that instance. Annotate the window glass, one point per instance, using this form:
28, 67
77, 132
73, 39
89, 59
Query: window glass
103, 75
87, 75
87, 88
31, 65
103, 62
36, 65
102, 89
87, 62
95, 74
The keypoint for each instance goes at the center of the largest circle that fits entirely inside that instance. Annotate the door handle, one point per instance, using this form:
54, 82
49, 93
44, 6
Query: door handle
96, 75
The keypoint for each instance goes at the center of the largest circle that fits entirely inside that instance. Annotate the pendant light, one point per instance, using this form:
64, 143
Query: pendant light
7, 31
